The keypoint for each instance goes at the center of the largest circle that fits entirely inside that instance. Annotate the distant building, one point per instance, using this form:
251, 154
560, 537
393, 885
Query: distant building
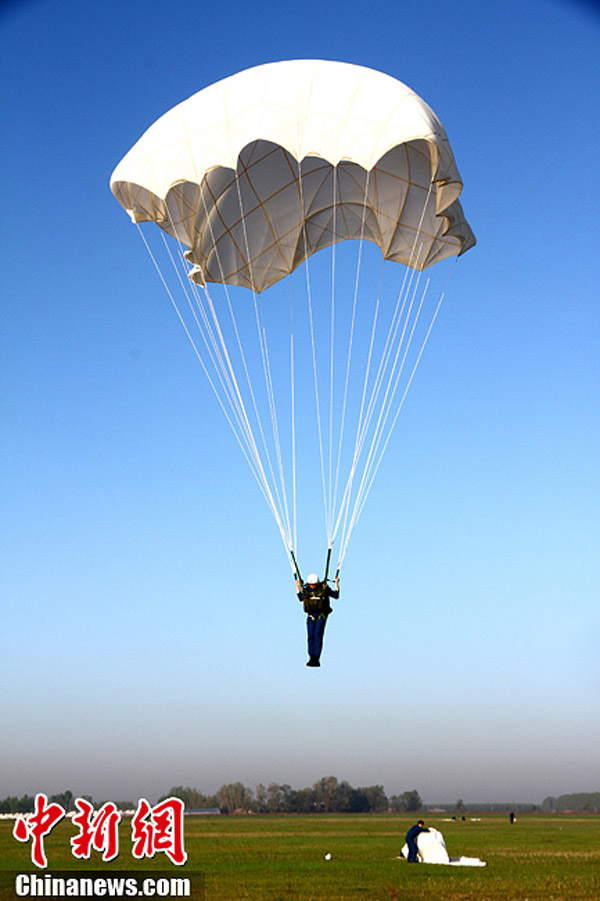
203, 812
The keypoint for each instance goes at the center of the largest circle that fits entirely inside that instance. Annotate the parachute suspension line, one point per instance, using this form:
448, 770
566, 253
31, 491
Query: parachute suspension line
251, 450
236, 399
218, 354
332, 492
346, 493
282, 514
394, 373
273, 502
420, 354
344, 508
376, 466
224, 369
214, 353
359, 431
185, 327
397, 318
314, 353
262, 338
391, 429
395, 370
377, 451
294, 535
271, 397
382, 406
255, 451
351, 336
220, 397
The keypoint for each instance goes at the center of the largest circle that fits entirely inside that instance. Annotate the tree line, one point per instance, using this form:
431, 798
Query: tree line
584, 802
66, 799
328, 795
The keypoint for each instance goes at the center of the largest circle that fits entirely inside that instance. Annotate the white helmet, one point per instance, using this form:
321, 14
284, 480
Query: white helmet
313, 579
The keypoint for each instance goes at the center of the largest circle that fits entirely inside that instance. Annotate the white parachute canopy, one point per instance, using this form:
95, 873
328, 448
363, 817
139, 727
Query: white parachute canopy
432, 849
252, 176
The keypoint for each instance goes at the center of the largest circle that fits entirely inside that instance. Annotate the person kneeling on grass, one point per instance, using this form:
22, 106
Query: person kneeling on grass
314, 596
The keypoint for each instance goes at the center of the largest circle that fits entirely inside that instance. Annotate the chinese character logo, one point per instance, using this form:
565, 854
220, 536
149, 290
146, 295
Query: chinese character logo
99, 830
159, 828
37, 826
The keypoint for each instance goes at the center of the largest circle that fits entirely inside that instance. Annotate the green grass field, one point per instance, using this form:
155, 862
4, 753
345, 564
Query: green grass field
283, 857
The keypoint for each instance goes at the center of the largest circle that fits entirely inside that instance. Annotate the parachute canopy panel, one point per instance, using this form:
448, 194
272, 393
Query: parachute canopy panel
262, 169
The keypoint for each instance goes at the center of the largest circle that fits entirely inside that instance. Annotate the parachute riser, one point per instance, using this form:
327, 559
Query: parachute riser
337, 572
327, 565
295, 566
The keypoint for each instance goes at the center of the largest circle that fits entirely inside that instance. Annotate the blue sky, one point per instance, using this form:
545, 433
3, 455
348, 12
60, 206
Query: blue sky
150, 632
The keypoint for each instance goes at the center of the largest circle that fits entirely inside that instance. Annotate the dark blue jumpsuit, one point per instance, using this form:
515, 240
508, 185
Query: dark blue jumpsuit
411, 841
317, 618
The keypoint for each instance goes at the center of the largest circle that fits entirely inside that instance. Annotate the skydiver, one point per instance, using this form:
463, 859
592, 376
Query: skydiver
315, 599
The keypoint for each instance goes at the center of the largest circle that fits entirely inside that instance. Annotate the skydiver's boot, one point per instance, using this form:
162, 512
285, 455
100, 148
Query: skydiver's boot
313, 661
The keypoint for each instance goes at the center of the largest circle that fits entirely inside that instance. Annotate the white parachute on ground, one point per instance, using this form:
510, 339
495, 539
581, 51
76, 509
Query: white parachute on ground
432, 849
252, 177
